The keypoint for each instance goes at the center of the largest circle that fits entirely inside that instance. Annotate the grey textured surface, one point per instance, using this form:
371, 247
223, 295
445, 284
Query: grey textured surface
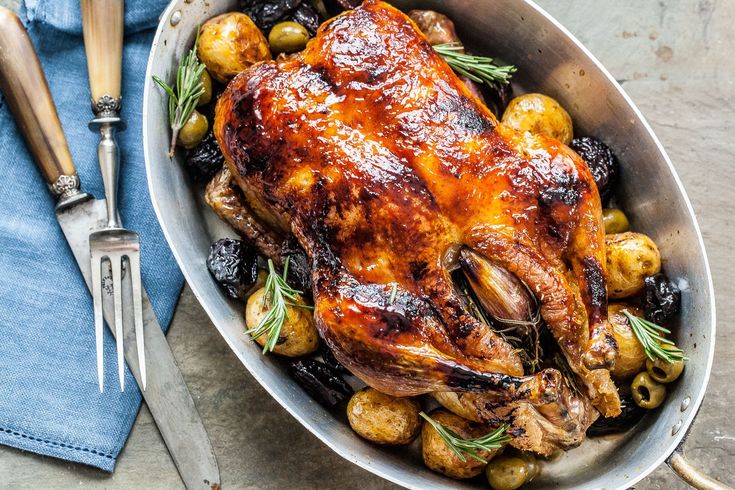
674, 58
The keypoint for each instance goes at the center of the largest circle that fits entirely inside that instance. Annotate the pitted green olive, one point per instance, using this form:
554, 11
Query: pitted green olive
646, 392
508, 473
207, 94
615, 221
664, 372
192, 133
288, 37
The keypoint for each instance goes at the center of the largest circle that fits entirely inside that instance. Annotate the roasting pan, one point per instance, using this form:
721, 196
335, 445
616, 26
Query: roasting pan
550, 60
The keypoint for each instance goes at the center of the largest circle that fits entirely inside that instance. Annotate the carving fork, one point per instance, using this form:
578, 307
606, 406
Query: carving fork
102, 22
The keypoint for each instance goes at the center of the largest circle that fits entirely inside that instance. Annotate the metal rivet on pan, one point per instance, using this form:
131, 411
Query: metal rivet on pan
685, 404
676, 428
175, 18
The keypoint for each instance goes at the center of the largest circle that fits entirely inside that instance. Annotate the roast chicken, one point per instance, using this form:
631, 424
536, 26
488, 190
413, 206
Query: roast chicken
386, 168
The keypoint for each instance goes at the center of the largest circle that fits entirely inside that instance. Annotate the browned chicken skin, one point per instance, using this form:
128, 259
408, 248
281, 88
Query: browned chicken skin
369, 149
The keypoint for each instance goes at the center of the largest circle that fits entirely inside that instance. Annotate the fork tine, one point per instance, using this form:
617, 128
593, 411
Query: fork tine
98, 319
134, 271
116, 264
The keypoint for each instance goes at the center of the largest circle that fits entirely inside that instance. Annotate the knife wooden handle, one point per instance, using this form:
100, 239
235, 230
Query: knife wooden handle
24, 86
102, 21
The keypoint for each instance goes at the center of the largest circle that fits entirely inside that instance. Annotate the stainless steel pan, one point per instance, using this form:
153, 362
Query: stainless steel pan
551, 61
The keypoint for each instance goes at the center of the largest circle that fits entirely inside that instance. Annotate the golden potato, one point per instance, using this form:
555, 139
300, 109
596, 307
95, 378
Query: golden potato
630, 258
440, 458
298, 335
230, 43
382, 418
454, 402
631, 356
539, 114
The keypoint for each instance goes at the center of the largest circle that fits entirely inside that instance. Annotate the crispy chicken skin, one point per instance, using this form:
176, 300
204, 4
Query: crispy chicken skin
372, 152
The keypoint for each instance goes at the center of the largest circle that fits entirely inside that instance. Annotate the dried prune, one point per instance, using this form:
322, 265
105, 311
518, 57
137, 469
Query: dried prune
299, 271
662, 299
601, 160
630, 415
205, 159
305, 15
497, 95
330, 360
320, 382
267, 14
234, 265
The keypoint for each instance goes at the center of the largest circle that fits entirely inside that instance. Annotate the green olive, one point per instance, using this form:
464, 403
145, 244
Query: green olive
646, 392
664, 372
192, 133
507, 473
615, 221
288, 37
207, 94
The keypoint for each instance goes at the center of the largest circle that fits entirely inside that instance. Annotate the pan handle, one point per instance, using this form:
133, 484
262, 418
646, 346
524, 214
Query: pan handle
687, 472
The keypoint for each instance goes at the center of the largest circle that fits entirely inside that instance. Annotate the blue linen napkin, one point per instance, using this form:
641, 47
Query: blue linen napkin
49, 398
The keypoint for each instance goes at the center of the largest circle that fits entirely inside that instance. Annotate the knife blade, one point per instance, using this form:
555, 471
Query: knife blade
24, 86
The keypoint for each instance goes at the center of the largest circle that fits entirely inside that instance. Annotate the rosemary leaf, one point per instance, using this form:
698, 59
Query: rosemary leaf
469, 447
654, 344
480, 69
278, 296
393, 291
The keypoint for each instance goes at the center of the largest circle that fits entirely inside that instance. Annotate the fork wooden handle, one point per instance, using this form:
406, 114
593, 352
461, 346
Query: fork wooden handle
102, 22
24, 86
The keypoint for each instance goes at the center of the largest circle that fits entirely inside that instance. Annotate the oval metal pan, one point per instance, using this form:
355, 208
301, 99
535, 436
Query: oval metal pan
551, 61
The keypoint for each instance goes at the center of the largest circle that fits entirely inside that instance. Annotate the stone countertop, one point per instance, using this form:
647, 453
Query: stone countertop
675, 59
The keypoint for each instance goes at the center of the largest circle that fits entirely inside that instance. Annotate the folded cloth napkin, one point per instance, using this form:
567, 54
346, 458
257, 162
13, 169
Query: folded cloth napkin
49, 398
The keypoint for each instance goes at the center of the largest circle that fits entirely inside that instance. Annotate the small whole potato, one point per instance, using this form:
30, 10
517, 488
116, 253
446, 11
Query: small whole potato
230, 43
298, 335
440, 458
631, 356
384, 419
539, 114
631, 257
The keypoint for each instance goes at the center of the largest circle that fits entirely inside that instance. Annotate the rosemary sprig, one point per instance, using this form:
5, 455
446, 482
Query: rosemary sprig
183, 99
480, 69
469, 447
654, 344
277, 297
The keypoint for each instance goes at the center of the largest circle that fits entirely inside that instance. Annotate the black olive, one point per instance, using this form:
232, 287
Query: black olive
307, 17
299, 271
497, 95
205, 159
662, 299
630, 415
330, 360
601, 161
234, 265
320, 382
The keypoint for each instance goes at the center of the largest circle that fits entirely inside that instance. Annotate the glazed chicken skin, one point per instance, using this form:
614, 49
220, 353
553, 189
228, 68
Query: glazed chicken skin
379, 160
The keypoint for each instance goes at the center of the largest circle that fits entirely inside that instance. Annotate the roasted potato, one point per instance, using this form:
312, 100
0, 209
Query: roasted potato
455, 404
229, 43
631, 257
298, 335
440, 458
382, 418
539, 114
631, 356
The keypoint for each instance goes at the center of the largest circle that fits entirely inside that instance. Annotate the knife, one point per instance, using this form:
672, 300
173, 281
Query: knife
24, 86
